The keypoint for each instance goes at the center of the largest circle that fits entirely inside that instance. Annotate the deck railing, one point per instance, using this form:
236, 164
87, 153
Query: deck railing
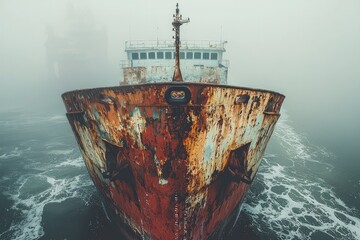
136, 45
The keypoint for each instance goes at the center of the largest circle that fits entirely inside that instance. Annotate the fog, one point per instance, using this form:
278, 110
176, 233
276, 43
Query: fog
308, 50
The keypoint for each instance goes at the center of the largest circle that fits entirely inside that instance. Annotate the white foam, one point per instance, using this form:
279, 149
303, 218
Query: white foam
54, 144
297, 146
57, 118
61, 152
296, 205
16, 152
77, 162
31, 208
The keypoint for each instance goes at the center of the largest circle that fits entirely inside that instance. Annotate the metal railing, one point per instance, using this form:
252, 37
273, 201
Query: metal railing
211, 45
127, 63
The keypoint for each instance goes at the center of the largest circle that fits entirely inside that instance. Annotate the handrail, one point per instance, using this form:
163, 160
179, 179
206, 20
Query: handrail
127, 63
165, 44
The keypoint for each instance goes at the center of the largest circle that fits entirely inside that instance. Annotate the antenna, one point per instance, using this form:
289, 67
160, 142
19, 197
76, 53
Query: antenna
221, 33
157, 36
130, 32
178, 21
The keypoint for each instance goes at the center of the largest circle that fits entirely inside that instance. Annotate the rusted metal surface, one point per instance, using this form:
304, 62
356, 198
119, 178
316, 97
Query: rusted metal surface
174, 160
134, 75
178, 21
153, 74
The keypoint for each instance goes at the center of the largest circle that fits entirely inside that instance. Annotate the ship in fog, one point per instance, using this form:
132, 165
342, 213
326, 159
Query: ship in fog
173, 150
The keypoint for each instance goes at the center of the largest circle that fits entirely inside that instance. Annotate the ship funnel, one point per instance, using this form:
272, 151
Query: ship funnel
178, 21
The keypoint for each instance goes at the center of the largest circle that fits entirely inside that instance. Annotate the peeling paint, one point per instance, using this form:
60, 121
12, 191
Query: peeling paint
166, 168
153, 74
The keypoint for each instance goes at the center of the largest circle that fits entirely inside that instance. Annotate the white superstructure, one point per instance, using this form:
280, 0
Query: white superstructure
153, 61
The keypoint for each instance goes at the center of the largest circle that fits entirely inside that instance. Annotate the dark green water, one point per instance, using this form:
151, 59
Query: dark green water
302, 191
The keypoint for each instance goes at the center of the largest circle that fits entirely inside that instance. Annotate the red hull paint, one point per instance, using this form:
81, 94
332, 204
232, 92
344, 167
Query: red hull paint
173, 170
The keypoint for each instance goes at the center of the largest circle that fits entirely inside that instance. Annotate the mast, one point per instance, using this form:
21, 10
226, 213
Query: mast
178, 21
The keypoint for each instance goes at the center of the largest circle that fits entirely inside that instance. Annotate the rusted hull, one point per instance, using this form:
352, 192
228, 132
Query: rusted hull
174, 161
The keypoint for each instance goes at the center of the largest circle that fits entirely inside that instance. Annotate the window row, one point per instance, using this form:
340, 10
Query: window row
171, 55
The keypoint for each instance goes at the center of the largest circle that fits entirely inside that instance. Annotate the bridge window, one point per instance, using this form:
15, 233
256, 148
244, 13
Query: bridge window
205, 55
182, 55
135, 56
160, 55
143, 55
189, 55
151, 55
214, 56
168, 55
197, 55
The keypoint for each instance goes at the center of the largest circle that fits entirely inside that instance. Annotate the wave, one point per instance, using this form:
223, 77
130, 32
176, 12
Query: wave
31, 206
291, 201
57, 118
298, 148
30, 119
35, 120
54, 144
16, 152
77, 162
41, 177
61, 152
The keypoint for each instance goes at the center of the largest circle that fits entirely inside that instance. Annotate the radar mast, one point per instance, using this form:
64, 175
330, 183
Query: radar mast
178, 21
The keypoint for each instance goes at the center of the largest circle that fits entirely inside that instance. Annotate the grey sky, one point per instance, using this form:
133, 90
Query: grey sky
307, 49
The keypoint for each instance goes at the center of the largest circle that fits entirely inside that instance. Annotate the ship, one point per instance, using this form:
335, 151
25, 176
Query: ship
173, 154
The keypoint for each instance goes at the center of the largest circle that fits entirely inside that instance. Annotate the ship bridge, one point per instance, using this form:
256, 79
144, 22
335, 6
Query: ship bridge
154, 61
